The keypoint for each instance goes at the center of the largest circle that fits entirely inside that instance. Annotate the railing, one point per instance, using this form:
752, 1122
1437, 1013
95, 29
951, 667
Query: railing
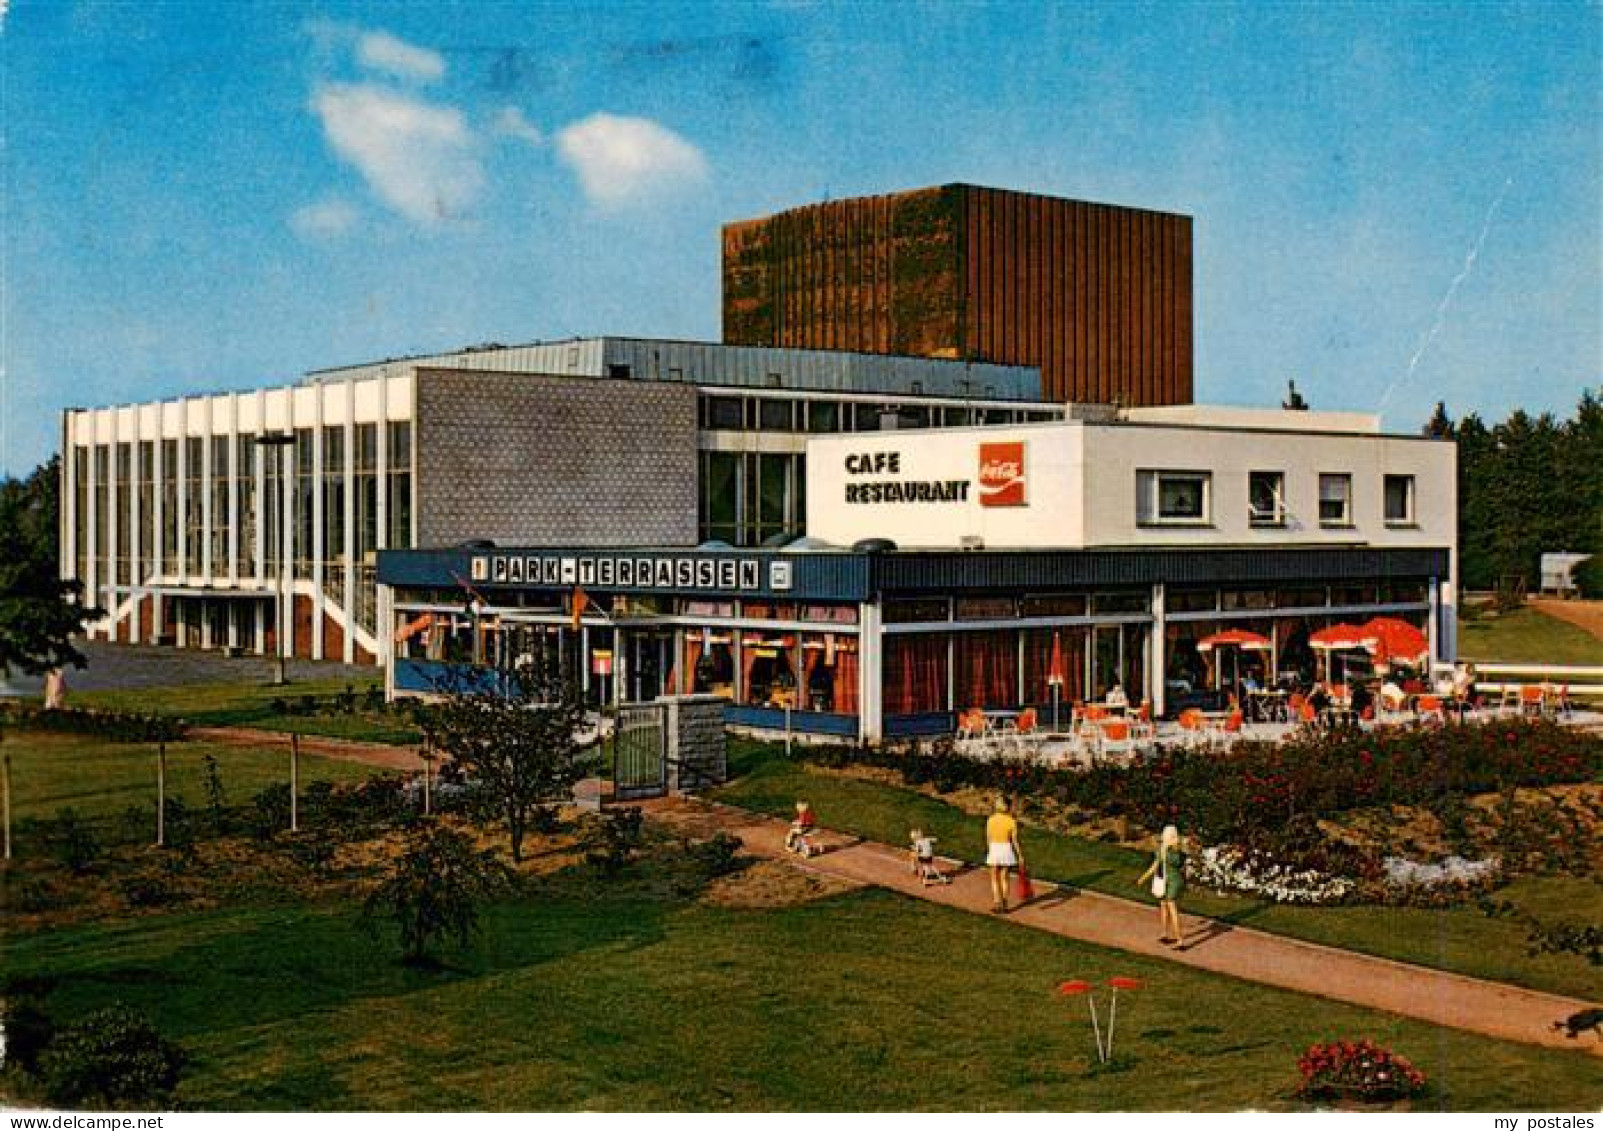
1583, 682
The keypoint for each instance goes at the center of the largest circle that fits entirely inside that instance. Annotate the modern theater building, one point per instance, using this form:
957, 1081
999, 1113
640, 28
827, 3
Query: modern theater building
974, 404
224, 521
943, 570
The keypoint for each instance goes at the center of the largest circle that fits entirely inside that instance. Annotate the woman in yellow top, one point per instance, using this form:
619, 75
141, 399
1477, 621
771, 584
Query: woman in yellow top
1002, 854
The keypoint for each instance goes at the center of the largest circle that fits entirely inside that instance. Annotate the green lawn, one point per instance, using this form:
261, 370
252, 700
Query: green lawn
50, 772
1459, 939
251, 705
1526, 636
600, 997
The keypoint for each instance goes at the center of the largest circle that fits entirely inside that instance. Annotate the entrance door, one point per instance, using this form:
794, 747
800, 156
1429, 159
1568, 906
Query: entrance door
1107, 659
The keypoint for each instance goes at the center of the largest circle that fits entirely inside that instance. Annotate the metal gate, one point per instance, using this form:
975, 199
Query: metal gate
640, 752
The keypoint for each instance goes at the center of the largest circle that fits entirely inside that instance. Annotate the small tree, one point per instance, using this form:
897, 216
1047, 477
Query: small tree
434, 889
39, 612
518, 743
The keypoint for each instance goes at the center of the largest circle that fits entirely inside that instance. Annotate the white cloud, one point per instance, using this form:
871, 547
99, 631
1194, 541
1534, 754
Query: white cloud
620, 161
510, 122
419, 158
381, 51
325, 219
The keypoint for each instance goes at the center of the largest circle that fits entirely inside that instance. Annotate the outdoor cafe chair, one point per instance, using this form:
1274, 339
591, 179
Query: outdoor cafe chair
1533, 701
1116, 739
1432, 710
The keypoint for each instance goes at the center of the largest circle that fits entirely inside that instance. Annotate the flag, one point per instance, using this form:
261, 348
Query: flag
579, 603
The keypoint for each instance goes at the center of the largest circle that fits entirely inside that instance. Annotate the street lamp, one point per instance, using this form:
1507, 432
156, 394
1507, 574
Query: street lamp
282, 441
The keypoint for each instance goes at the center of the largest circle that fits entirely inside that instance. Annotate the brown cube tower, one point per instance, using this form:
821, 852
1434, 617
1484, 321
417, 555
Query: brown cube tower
1098, 296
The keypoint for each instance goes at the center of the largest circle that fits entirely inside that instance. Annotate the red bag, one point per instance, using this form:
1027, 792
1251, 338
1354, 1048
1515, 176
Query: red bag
1023, 891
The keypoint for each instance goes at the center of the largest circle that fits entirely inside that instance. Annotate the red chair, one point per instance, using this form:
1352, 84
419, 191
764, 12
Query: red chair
1532, 701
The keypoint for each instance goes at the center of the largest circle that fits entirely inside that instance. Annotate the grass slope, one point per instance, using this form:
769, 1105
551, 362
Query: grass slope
616, 998
50, 772
1527, 636
1459, 939
251, 705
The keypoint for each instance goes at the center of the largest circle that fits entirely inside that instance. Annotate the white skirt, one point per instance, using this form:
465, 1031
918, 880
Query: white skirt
1002, 855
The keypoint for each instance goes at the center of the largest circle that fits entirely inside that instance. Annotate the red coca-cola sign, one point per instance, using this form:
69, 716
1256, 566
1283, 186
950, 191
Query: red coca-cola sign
1002, 474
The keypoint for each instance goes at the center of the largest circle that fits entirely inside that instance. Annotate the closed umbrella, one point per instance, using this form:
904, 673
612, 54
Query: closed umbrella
1054, 675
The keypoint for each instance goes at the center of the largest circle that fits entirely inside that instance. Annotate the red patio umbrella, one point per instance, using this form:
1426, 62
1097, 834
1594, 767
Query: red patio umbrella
1235, 638
1239, 639
1073, 988
1396, 641
1338, 638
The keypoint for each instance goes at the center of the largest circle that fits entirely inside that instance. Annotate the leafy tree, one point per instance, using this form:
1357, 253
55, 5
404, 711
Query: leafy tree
433, 890
39, 612
517, 742
1440, 425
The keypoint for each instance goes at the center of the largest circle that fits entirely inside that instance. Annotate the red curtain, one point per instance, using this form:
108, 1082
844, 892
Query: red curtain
846, 678
915, 673
987, 669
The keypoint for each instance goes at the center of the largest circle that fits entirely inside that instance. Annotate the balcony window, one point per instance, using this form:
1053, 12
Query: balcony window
1266, 498
1335, 500
1173, 498
1399, 500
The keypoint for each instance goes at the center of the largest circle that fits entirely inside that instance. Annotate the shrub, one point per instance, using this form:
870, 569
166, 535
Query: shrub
717, 856
73, 842
270, 811
26, 1022
611, 838
1357, 1070
112, 1058
433, 890
113, 726
148, 891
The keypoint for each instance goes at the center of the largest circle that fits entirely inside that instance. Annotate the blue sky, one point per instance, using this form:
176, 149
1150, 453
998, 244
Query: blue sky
1393, 204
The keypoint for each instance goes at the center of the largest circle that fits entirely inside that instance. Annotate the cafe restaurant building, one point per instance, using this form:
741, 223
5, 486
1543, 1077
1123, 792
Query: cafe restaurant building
1027, 565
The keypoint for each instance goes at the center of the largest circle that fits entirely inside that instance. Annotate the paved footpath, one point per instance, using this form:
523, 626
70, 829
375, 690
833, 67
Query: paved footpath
1457, 1002
1452, 1000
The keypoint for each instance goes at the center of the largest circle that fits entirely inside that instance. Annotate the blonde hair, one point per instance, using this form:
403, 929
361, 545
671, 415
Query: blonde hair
1001, 803
1170, 837
801, 806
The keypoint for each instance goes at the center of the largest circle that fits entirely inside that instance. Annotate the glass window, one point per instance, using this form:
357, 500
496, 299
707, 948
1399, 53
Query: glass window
220, 516
398, 484
1266, 498
720, 502
985, 608
721, 413
911, 609
1304, 598
304, 498
1192, 600
1054, 605
1179, 497
124, 503
245, 489
823, 416
865, 417
194, 503
776, 415
171, 520
145, 532
335, 546
1119, 602
1399, 500
1335, 500
1248, 599
80, 490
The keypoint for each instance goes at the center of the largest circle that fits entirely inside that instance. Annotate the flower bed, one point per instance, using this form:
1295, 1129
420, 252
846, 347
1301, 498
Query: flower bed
1232, 868
1359, 1070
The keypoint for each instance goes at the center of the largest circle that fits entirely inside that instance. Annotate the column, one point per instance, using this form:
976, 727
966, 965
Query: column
1157, 646
870, 679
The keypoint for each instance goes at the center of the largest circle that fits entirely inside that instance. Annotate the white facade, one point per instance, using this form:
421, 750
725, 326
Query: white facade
172, 500
1132, 484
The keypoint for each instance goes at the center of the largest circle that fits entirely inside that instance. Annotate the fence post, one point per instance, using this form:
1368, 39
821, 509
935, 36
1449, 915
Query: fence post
294, 781
161, 794
5, 794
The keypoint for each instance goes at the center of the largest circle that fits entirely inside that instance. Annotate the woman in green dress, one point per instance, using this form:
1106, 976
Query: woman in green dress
1169, 866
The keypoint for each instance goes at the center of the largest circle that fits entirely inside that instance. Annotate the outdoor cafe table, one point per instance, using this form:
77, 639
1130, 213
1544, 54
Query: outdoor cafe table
1267, 705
